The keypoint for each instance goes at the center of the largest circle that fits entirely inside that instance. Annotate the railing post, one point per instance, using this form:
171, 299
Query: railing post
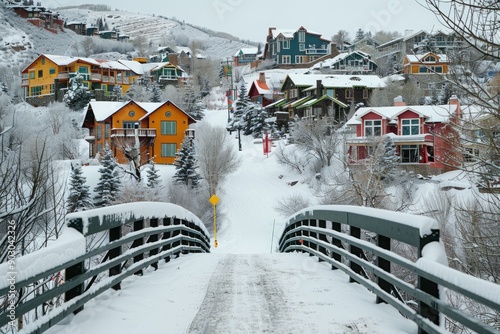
337, 243
385, 243
167, 235
177, 221
75, 270
115, 233
138, 225
184, 233
153, 222
428, 311
356, 251
322, 237
313, 223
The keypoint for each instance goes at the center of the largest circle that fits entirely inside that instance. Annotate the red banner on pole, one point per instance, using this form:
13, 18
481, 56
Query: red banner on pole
266, 144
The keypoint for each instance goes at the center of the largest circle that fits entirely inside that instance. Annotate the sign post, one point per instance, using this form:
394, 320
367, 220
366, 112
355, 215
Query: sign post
214, 200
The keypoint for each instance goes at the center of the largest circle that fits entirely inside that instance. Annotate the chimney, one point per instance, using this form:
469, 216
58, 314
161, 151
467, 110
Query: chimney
398, 101
173, 59
319, 89
334, 52
270, 32
262, 77
454, 101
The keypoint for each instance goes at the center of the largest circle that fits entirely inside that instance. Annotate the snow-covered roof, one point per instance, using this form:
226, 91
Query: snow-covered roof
114, 65
432, 114
246, 51
337, 81
104, 109
133, 65
418, 58
66, 60
261, 87
339, 57
287, 33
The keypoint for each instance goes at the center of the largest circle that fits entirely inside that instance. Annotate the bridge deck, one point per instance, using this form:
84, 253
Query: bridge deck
221, 293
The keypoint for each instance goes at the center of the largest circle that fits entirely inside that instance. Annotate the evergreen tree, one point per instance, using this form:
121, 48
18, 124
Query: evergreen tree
258, 125
77, 96
109, 183
185, 165
156, 93
241, 109
386, 158
79, 196
152, 175
117, 90
4, 89
360, 34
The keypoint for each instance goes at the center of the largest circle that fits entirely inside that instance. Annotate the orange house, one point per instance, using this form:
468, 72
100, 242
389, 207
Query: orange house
157, 128
425, 63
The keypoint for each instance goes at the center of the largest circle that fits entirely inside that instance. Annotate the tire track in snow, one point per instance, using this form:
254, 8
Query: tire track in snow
243, 296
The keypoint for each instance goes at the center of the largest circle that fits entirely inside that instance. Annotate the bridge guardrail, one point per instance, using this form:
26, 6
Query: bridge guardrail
333, 233
159, 231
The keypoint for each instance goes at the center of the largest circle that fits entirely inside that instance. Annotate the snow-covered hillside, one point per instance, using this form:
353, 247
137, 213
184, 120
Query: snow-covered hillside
157, 30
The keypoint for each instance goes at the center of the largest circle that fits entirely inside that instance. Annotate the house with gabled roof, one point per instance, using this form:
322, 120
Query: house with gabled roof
355, 62
297, 48
245, 56
159, 128
420, 134
259, 91
322, 95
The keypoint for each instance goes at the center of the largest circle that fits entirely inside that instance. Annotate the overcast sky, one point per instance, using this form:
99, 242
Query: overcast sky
251, 19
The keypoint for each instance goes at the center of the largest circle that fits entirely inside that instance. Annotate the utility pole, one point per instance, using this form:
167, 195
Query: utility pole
227, 66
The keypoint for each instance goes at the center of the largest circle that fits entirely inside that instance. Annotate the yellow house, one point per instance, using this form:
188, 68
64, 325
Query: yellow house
158, 128
425, 64
48, 73
43, 79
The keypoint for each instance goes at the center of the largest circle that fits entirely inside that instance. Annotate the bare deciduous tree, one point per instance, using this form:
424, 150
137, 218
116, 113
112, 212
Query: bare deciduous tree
217, 156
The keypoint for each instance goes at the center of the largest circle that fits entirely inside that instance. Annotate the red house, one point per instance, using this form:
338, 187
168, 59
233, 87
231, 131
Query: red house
421, 134
259, 92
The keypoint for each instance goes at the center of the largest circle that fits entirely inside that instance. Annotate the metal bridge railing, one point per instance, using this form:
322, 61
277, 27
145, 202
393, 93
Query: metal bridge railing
358, 241
138, 235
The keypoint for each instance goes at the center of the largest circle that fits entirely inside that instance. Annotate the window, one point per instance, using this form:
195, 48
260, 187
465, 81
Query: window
302, 47
410, 127
286, 59
365, 93
32, 75
422, 69
52, 89
409, 154
128, 125
43, 61
36, 91
302, 36
298, 59
373, 128
99, 132
40, 73
286, 44
438, 69
107, 130
168, 150
330, 92
168, 128
293, 93
471, 154
349, 93
430, 59
52, 70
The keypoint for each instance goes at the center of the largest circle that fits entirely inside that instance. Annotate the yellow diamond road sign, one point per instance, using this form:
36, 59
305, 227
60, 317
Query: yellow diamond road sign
214, 200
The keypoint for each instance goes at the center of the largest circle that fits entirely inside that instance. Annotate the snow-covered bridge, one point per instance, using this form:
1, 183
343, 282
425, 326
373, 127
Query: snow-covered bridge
124, 285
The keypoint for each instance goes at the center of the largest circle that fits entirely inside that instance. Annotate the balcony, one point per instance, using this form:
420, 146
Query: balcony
63, 76
399, 140
316, 51
95, 77
142, 133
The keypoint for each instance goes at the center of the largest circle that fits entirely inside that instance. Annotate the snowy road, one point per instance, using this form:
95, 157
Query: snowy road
233, 294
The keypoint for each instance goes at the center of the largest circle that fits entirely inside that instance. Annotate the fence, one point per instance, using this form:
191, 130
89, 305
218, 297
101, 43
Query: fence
335, 234
151, 231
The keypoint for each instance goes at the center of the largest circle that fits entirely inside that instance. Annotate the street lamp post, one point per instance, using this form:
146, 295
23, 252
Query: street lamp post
239, 138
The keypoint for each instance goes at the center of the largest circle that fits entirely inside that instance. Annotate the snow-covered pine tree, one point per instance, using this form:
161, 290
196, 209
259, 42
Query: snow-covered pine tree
77, 95
117, 90
258, 125
185, 165
79, 198
240, 115
4, 89
386, 158
155, 93
109, 183
152, 175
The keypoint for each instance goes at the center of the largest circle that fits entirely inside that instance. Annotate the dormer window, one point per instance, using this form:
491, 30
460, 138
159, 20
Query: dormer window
430, 59
373, 128
410, 127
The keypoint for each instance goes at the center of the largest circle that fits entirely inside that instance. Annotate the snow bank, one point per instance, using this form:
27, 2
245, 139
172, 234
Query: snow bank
69, 246
145, 210
424, 224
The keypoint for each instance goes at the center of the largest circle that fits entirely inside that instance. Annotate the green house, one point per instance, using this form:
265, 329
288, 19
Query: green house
294, 47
